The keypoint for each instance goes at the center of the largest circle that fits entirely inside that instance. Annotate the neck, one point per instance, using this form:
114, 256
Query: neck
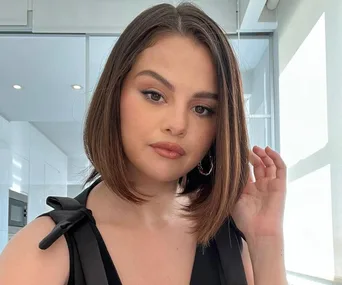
162, 206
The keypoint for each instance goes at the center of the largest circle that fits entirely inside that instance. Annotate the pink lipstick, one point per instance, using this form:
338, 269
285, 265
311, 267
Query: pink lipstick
168, 149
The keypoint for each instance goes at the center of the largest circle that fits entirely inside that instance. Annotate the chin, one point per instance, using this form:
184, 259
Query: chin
161, 173
160, 169
164, 175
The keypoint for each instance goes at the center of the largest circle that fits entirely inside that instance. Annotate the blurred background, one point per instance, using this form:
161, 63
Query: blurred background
290, 55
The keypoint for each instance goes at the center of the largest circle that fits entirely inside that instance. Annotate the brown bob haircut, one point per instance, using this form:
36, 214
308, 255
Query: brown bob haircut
213, 197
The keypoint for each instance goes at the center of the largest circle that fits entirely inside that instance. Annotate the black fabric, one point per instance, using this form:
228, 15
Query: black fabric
218, 264
111, 272
90, 256
206, 267
73, 218
229, 246
73, 256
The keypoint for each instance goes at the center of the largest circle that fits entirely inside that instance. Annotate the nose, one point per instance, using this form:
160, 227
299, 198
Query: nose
175, 123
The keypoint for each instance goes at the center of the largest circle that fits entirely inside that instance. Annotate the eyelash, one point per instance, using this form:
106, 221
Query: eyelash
147, 94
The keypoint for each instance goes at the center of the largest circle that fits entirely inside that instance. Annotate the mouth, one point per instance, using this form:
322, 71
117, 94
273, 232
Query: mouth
168, 149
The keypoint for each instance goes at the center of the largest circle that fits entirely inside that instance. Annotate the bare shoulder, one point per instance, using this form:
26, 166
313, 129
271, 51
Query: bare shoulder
22, 262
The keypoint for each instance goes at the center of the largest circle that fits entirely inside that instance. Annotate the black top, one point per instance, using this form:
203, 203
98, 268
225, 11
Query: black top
218, 264
206, 267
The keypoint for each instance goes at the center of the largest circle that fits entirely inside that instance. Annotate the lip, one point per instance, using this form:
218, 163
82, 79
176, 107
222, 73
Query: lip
168, 149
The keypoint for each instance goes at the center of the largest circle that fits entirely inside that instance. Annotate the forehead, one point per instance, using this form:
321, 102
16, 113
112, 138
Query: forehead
180, 59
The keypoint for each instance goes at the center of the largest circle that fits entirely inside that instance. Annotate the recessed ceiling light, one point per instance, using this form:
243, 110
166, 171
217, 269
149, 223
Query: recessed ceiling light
76, 87
18, 87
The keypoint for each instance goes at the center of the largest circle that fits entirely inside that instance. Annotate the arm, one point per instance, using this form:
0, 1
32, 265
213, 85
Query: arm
259, 214
247, 263
22, 262
263, 261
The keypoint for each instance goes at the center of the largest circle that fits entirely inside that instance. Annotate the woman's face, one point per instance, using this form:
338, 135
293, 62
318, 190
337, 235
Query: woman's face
168, 108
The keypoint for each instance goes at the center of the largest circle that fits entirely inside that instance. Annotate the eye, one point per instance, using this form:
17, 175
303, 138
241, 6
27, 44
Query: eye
153, 96
203, 111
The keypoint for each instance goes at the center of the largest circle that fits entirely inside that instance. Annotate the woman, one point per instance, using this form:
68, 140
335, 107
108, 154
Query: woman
166, 134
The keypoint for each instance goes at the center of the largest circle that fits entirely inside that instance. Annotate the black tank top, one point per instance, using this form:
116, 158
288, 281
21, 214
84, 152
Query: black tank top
207, 268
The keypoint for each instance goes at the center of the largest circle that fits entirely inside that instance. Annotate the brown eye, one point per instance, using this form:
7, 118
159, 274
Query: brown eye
200, 109
203, 111
153, 96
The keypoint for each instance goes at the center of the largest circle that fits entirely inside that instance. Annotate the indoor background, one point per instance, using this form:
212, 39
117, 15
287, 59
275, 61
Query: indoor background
290, 55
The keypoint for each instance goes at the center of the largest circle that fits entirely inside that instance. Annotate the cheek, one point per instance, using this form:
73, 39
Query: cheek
130, 113
202, 137
206, 129
132, 123
127, 104
137, 120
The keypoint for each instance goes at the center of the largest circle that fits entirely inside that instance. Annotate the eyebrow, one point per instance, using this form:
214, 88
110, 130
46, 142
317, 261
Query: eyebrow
164, 81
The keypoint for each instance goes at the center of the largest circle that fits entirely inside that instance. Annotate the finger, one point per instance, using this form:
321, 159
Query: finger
279, 163
251, 178
258, 165
271, 169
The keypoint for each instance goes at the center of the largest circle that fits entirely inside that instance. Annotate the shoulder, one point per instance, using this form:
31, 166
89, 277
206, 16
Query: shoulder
22, 255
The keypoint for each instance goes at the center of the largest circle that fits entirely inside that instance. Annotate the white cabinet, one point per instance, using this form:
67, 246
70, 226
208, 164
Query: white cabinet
20, 174
31, 164
48, 173
4, 131
54, 184
5, 172
13, 12
20, 138
112, 17
86, 16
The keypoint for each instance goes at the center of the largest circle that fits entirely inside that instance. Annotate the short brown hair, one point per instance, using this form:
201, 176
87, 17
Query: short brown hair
212, 197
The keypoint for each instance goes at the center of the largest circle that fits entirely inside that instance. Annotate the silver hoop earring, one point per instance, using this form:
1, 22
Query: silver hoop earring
201, 170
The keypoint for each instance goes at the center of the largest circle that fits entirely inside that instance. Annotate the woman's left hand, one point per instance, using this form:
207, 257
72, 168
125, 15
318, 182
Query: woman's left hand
260, 210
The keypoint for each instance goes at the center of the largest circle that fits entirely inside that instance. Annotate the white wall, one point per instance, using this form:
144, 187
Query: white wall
98, 17
31, 164
78, 169
310, 96
48, 173
74, 190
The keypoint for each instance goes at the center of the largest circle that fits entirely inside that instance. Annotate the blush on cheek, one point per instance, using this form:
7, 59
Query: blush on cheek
130, 110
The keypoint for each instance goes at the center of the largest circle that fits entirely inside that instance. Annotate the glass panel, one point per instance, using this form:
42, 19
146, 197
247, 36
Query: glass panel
259, 130
254, 60
254, 57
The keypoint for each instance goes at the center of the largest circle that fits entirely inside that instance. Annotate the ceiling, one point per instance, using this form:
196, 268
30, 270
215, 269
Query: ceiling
46, 66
